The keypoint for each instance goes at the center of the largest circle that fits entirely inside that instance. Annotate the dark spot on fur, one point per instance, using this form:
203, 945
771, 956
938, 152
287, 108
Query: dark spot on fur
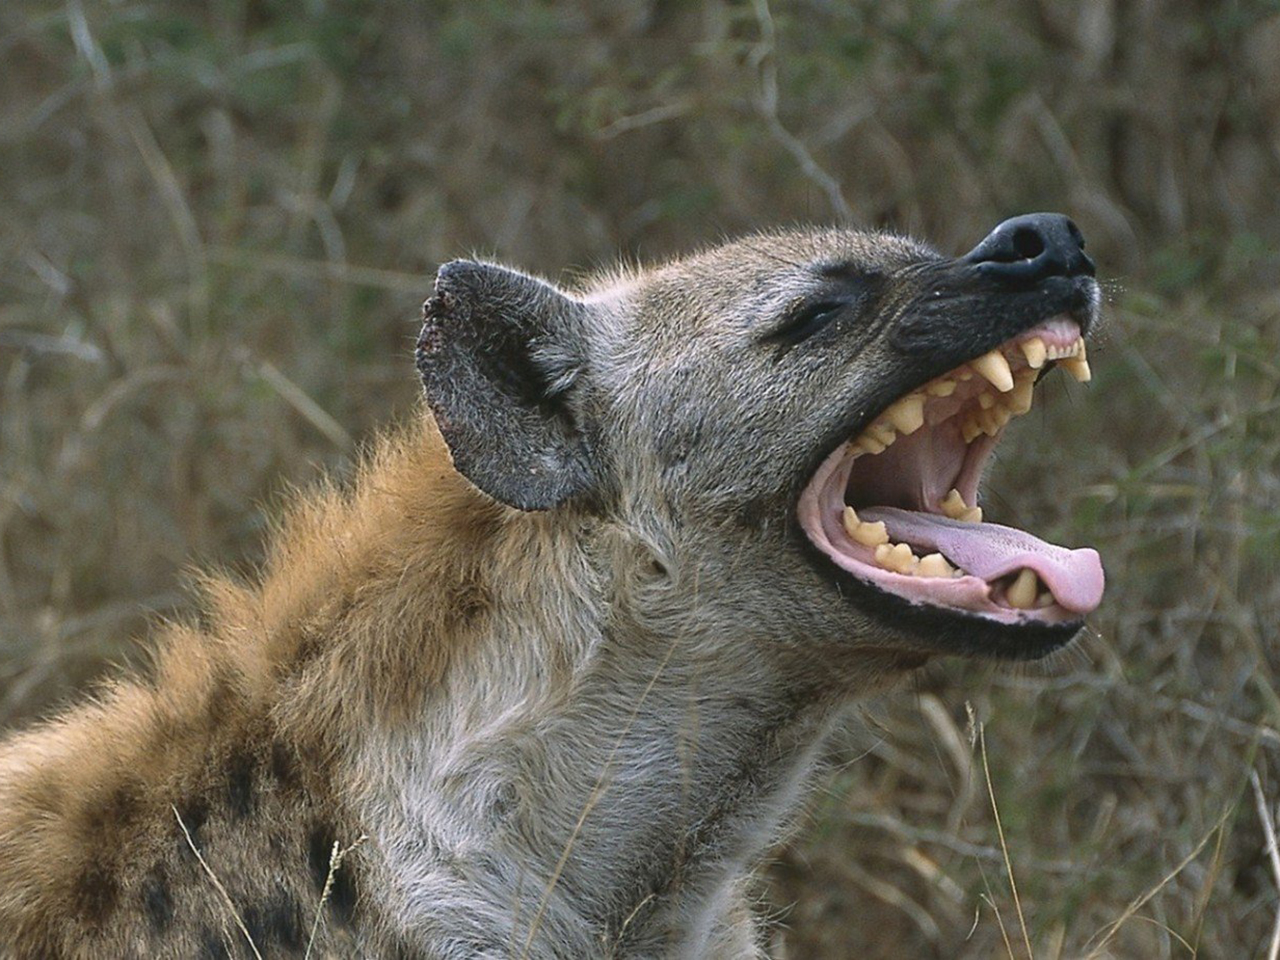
213, 946
110, 811
342, 897
284, 765
194, 814
95, 894
275, 924
157, 900
240, 786
342, 892
319, 850
284, 923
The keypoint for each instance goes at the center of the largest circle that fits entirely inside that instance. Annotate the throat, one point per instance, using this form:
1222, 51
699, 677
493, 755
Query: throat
919, 471
626, 805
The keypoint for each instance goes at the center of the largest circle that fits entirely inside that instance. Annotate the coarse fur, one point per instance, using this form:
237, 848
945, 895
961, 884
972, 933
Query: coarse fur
556, 668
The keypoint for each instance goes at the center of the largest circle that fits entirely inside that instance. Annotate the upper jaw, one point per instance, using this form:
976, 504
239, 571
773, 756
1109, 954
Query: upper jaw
946, 427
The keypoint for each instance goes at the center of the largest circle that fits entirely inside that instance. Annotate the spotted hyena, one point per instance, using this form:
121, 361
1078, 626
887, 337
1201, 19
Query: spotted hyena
553, 671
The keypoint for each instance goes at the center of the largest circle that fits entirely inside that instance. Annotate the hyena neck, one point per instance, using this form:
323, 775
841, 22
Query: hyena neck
574, 784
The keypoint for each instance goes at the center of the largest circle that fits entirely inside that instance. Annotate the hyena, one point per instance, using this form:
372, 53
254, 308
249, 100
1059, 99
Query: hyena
551, 674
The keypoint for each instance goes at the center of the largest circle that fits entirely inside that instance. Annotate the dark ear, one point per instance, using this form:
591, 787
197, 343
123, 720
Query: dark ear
496, 356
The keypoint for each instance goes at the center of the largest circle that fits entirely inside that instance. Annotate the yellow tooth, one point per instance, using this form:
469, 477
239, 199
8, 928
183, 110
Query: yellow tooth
896, 557
870, 444
970, 430
1022, 592
1035, 352
995, 368
965, 374
934, 565
972, 515
870, 534
953, 504
883, 433
986, 400
907, 414
1078, 367
942, 388
1044, 600
850, 520
1020, 400
1076, 348
1002, 416
904, 561
989, 422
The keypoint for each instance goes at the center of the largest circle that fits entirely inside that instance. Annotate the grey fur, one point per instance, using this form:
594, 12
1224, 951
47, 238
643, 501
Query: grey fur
709, 657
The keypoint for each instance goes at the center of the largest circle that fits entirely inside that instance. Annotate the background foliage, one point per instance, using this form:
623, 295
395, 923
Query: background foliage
220, 218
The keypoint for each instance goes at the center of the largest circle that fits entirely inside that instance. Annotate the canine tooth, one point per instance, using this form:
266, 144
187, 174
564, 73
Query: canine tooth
1078, 367
850, 520
907, 414
870, 534
972, 515
1020, 400
953, 504
1022, 592
942, 388
867, 534
1035, 352
934, 565
986, 400
995, 368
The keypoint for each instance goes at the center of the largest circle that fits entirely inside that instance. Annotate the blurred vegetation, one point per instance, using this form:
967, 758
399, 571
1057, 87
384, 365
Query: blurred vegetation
220, 218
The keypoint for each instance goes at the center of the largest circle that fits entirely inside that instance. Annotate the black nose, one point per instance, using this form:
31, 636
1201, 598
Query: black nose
1031, 248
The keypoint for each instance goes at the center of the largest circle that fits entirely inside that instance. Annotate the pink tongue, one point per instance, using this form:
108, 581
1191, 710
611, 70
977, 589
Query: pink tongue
989, 551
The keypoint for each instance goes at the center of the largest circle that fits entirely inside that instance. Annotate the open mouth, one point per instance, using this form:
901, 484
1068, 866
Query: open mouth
898, 505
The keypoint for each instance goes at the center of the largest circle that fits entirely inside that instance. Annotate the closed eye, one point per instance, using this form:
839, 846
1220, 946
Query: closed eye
805, 322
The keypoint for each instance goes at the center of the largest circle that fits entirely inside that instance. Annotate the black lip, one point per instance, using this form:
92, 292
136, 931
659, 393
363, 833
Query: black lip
948, 632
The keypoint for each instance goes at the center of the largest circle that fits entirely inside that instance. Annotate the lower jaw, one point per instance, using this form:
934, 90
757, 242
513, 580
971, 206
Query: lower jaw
942, 631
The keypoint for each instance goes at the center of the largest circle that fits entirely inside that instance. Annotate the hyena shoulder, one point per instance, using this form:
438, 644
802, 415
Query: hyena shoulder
221, 746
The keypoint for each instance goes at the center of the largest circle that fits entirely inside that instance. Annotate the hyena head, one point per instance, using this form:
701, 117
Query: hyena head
790, 428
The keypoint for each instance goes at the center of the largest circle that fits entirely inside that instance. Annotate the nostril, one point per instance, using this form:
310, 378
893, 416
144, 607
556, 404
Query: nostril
1029, 248
1027, 243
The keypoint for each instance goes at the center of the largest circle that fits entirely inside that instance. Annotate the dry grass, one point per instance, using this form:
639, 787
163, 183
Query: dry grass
220, 219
